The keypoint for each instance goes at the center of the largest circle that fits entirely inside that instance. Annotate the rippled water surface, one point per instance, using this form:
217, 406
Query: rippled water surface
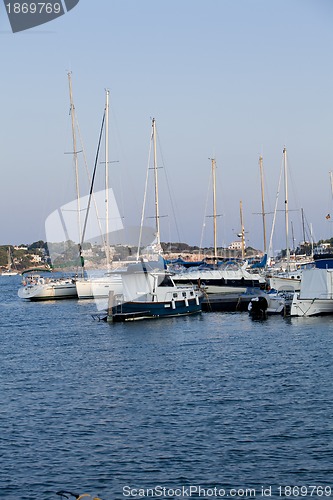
214, 400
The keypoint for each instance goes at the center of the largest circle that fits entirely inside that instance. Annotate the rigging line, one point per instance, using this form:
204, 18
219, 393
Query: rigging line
308, 228
205, 212
293, 187
144, 196
89, 179
168, 187
129, 179
75, 153
92, 183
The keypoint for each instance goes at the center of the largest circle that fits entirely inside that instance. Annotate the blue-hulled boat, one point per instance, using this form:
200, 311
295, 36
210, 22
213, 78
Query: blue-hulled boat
323, 260
152, 294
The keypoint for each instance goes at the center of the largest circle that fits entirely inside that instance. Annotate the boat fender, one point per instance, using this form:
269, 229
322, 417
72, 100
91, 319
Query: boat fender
173, 304
186, 302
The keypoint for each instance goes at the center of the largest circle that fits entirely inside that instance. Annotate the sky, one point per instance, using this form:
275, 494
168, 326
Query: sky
224, 79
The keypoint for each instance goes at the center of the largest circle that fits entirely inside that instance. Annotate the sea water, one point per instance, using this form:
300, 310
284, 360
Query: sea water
214, 405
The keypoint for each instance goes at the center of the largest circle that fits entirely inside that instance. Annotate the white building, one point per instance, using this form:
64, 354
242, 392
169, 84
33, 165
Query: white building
235, 245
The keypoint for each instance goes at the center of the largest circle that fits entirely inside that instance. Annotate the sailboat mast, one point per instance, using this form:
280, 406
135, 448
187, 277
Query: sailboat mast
242, 228
263, 202
214, 206
107, 246
286, 210
157, 213
331, 181
76, 164
9, 259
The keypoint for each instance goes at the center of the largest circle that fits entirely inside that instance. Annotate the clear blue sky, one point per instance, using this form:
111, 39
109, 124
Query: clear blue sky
226, 78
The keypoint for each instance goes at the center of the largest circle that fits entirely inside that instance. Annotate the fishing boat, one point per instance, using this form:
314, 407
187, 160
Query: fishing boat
152, 294
36, 286
316, 294
9, 271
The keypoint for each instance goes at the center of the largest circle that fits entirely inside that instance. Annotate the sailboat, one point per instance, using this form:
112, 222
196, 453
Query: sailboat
148, 288
37, 286
99, 287
111, 281
9, 271
222, 278
288, 280
34, 286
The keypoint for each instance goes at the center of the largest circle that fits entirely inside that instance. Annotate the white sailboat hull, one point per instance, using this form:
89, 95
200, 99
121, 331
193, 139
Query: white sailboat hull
99, 288
48, 291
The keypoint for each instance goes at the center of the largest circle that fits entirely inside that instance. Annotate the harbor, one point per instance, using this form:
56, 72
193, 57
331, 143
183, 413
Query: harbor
224, 399
166, 250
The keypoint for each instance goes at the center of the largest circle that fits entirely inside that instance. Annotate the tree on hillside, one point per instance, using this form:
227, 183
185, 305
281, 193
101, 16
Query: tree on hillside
37, 244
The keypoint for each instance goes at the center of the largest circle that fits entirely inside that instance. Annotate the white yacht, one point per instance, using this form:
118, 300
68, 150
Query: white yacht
228, 278
38, 287
316, 294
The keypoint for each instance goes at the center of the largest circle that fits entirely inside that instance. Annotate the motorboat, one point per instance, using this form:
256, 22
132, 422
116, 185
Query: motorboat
316, 294
152, 294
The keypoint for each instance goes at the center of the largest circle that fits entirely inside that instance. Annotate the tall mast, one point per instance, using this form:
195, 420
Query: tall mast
157, 213
286, 211
263, 202
214, 206
9, 259
242, 229
331, 182
107, 246
76, 164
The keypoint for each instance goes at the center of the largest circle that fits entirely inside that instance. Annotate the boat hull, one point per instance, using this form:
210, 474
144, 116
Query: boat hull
316, 294
311, 307
48, 291
99, 288
129, 311
280, 283
226, 302
220, 282
324, 263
